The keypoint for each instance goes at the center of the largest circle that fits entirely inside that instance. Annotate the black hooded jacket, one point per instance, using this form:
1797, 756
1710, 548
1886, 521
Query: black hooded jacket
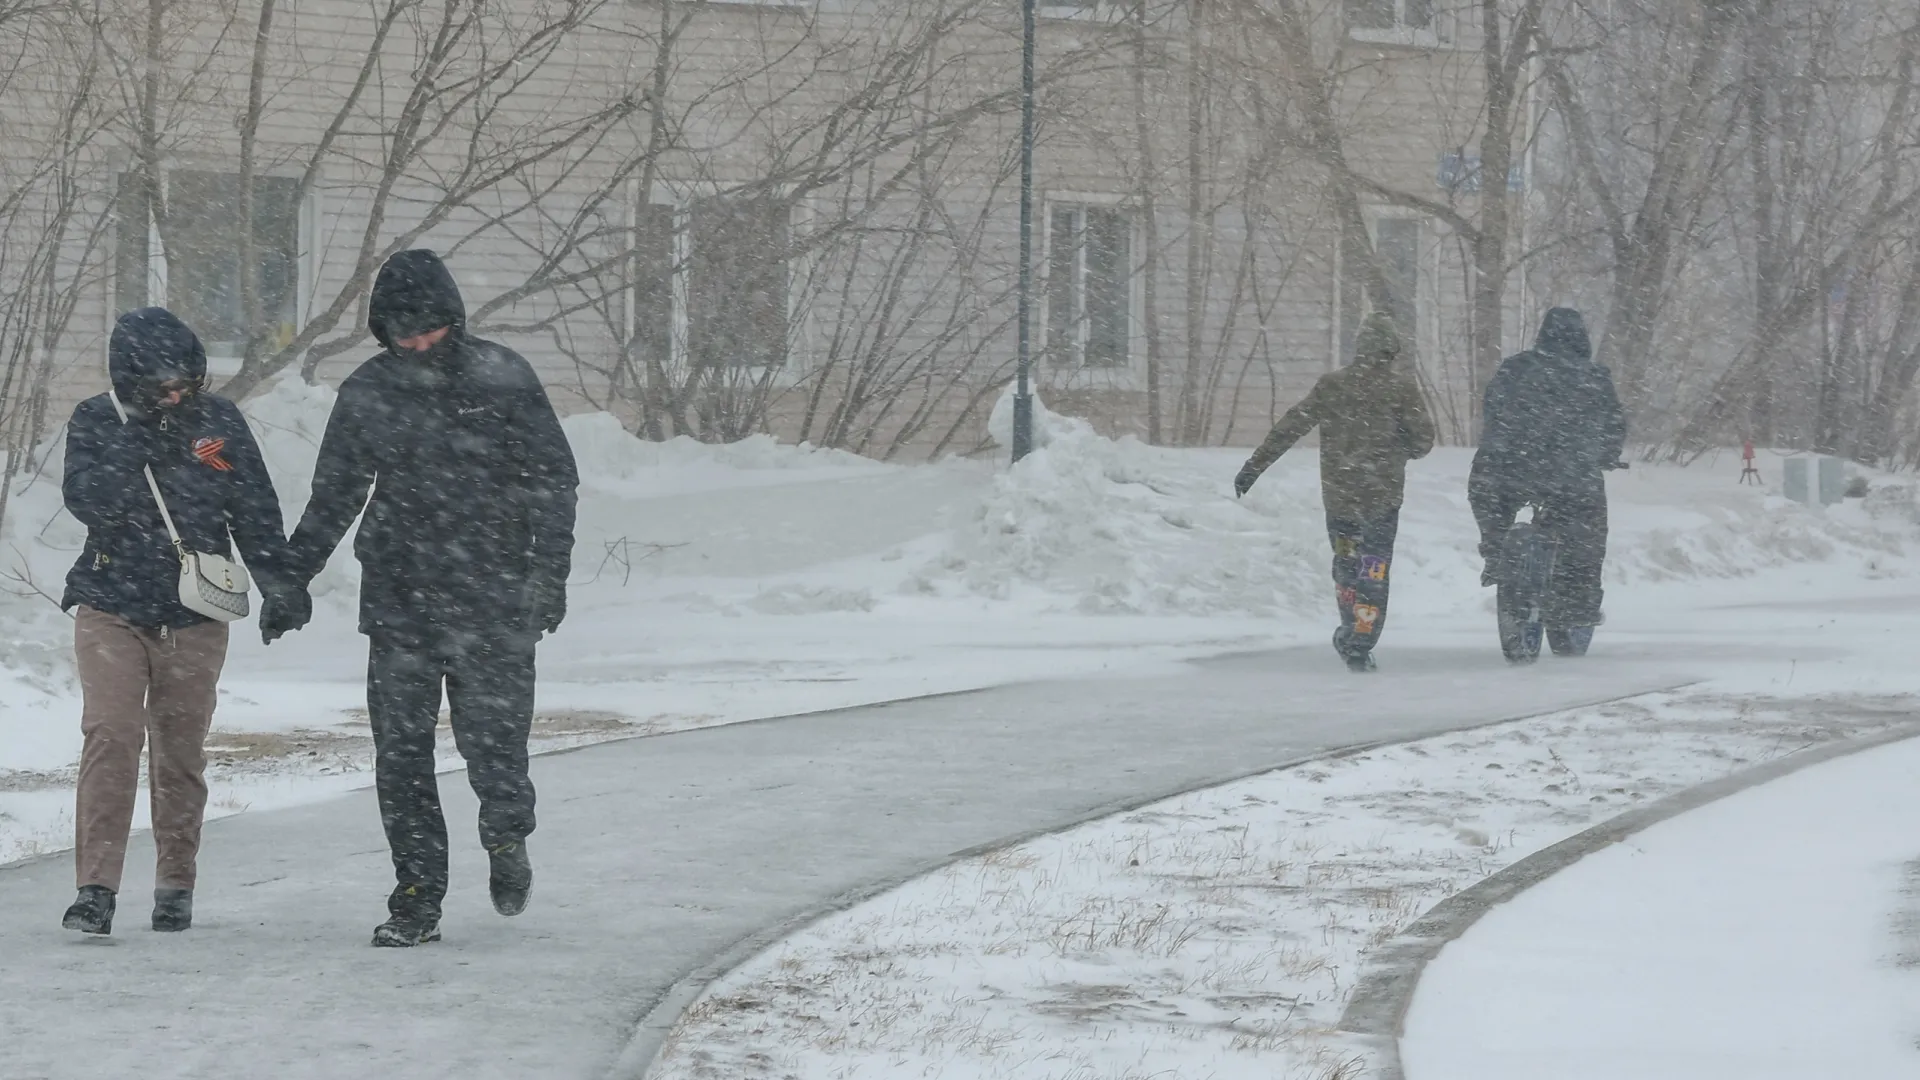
1552, 422
472, 480
209, 468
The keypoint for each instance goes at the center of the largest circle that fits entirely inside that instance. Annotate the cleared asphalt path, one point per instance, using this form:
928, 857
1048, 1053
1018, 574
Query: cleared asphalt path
653, 855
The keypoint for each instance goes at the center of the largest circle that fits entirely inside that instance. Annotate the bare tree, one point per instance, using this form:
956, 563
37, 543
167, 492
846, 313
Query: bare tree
1650, 173
55, 112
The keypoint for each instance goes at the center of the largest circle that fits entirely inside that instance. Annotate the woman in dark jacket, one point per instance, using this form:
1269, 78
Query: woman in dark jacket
148, 665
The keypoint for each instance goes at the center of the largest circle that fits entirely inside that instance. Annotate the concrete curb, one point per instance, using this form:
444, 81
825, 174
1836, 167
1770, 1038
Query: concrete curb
649, 1037
1376, 1014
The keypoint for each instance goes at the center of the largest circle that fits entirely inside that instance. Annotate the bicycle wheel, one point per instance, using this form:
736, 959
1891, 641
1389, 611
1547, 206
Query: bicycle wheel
1519, 623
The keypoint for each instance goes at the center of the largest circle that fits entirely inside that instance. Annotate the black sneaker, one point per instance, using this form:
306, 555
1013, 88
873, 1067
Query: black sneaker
92, 912
407, 929
511, 882
172, 910
1361, 663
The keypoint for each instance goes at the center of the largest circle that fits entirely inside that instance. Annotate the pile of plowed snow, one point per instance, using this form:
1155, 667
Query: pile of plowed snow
1087, 524
1120, 526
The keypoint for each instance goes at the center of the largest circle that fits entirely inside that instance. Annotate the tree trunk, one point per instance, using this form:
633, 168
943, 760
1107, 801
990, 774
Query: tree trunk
251, 319
1490, 268
1643, 250
1150, 224
1877, 442
1769, 280
1198, 225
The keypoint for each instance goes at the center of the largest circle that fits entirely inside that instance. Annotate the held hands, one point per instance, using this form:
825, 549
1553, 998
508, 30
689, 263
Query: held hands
287, 608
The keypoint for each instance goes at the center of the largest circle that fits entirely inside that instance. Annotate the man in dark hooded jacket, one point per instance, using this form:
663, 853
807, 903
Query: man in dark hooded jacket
1552, 426
1372, 420
149, 667
464, 552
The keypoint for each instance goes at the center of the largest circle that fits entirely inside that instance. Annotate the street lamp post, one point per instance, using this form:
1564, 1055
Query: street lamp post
1023, 388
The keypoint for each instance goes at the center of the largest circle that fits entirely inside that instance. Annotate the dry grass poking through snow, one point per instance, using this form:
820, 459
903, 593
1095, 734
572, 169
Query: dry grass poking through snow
1214, 936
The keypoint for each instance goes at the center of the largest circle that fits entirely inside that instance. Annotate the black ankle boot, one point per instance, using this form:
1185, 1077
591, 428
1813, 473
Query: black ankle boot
172, 909
92, 912
511, 881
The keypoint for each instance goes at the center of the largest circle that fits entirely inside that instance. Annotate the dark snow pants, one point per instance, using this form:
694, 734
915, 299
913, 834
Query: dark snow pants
1576, 519
1362, 563
489, 692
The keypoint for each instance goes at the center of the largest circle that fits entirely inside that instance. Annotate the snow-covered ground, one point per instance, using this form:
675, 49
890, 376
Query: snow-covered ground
717, 584
1220, 934
1774, 934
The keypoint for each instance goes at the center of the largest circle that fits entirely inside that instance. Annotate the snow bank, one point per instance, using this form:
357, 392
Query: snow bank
612, 459
1121, 527
1118, 526
1048, 427
39, 540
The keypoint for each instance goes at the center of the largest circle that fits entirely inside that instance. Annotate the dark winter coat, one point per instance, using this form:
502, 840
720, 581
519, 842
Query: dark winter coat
1551, 420
472, 480
1372, 420
208, 466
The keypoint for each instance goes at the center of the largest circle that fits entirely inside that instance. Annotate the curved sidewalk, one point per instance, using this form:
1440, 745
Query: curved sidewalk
657, 854
1774, 933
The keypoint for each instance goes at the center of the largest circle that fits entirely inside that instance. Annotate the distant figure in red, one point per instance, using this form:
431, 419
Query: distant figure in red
1747, 471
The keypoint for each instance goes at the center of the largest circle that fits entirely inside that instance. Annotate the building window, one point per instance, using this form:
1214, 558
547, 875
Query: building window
1088, 10
737, 282
710, 283
1089, 285
1397, 244
1390, 15
654, 262
192, 264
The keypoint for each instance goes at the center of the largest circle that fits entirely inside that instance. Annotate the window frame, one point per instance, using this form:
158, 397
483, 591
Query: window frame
1426, 260
1103, 12
223, 359
1441, 31
681, 197
1131, 367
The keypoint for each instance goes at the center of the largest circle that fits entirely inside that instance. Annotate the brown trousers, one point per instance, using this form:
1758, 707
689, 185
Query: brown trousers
135, 683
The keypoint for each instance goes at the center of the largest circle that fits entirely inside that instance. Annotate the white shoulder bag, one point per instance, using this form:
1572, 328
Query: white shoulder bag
210, 585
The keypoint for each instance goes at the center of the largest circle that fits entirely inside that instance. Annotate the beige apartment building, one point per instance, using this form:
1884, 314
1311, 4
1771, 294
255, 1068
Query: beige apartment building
716, 218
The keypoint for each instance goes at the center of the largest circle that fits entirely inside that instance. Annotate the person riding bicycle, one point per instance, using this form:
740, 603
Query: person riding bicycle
1552, 426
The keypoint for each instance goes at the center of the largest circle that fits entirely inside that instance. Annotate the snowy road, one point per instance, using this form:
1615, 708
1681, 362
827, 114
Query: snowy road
1768, 936
657, 853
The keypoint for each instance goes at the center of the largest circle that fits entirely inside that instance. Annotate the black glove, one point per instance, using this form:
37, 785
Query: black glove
548, 604
287, 608
1244, 482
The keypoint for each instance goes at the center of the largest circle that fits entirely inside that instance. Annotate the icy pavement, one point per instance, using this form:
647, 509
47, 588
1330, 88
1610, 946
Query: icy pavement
654, 854
1769, 935
1218, 934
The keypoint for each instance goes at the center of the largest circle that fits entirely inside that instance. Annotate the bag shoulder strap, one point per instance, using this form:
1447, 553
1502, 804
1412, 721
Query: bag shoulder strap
153, 485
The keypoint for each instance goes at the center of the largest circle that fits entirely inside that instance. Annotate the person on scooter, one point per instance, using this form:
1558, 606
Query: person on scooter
1372, 420
1551, 427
